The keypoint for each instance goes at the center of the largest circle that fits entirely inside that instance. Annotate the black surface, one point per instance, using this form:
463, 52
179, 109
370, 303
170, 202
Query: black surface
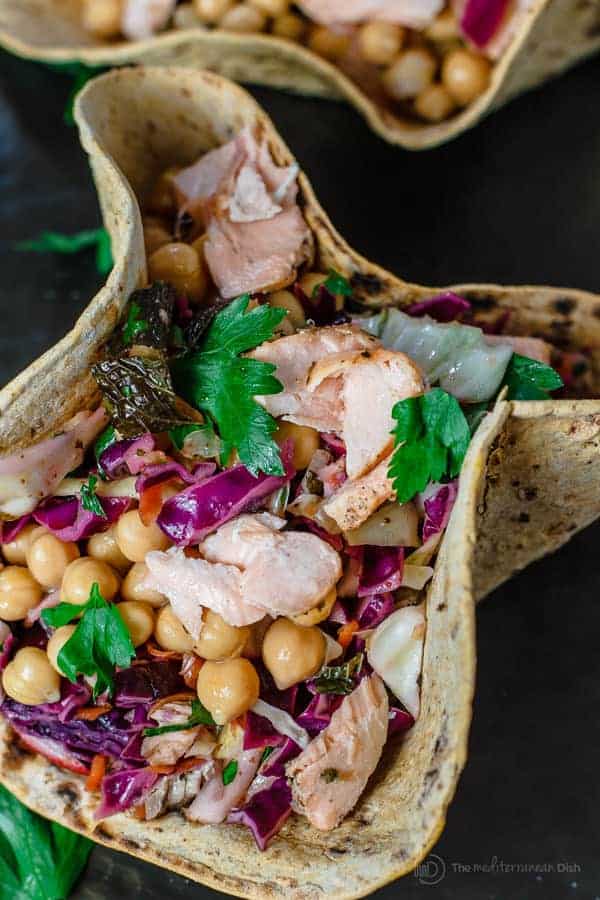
517, 200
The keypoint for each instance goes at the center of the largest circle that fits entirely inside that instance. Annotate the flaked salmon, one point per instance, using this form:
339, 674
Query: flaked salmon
216, 800
329, 776
412, 13
355, 501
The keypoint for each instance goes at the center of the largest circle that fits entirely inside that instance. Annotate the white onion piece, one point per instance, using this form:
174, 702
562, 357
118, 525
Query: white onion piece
393, 525
455, 356
332, 649
282, 722
122, 487
395, 651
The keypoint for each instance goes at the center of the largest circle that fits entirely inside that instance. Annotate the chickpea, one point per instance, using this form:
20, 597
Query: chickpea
185, 16
102, 18
212, 11
289, 26
180, 265
48, 558
56, 643
135, 587
466, 75
412, 72
253, 646
82, 574
292, 652
286, 300
319, 612
272, 8
380, 42
434, 103
227, 689
218, 639
155, 237
103, 546
19, 593
139, 620
161, 199
244, 19
30, 679
443, 28
16, 551
330, 44
306, 441
135, 539
170, 633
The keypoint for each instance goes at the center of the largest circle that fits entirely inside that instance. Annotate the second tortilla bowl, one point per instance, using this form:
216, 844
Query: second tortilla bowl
549, 36
529, 480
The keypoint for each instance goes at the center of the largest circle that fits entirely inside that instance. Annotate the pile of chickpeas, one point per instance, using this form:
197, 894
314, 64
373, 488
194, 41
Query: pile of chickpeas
428, 74
36, 562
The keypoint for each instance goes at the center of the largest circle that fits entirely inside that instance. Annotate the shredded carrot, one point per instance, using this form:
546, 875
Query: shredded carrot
97, 771
346, 633
91, 713
159, 653
140, 812
151, 501
163, 770
184, 765
190, 669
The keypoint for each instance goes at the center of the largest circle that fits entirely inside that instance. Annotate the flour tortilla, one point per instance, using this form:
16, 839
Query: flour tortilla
552, 35
134, 123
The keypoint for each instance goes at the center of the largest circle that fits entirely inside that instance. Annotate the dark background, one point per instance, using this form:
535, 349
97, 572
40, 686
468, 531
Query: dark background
517, 200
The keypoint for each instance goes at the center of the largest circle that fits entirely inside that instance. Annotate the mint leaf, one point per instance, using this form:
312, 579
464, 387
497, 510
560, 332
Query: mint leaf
230, 771
216, 380
528, 379
198, 716
336, 284
339, 679
99, 644
431, 439
55, 242
39, 860
89, 497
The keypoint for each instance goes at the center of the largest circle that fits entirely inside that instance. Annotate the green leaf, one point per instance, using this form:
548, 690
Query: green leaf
336, 284
221, 384
339, 679
104, 440
474, 414
431, 439
55, 242
39, 860
265, 755
528, 379
80, 74
135, 323
99, 644
89, 498
230, 771
236, 330
198, 716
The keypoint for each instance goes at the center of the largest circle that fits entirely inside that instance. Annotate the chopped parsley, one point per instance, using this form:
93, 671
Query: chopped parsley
89, 498
329, 775
336, 284
339, 679
198, 716
431, 439
230, 771
99, 644
55, 242
135, 324
528, 379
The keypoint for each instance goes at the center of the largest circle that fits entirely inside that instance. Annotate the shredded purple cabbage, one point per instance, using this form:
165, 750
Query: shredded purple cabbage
438, 507
265, 812
446, 307
372, 610
66, 518
318, 713
400, 721
10, 530
274, 765
260, 733
124, 789
146, 682
126, 457
159, 472
481, 19
381, 570
9, 644
201, 508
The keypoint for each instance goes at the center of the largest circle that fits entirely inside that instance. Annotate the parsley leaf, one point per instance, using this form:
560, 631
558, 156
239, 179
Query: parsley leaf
266, 754
431, 437
336, 284
230, 771
198, 716
55, 242
39, 860
99, 643
528, 379
205, 444
216, 380
89, 497
339, 679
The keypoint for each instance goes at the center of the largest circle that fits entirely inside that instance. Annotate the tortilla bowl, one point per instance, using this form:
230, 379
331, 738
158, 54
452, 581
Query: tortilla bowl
134, 123
553, 35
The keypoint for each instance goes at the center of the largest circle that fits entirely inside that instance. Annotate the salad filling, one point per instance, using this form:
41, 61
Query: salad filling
213, 585
425, 59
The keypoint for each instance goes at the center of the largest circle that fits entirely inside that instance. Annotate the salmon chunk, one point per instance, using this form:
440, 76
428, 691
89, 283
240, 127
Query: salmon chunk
331, 773
411, 13
355, 501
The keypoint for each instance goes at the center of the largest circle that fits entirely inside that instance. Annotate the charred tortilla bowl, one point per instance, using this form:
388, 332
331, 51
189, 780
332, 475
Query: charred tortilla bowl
134, 123
553, 35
